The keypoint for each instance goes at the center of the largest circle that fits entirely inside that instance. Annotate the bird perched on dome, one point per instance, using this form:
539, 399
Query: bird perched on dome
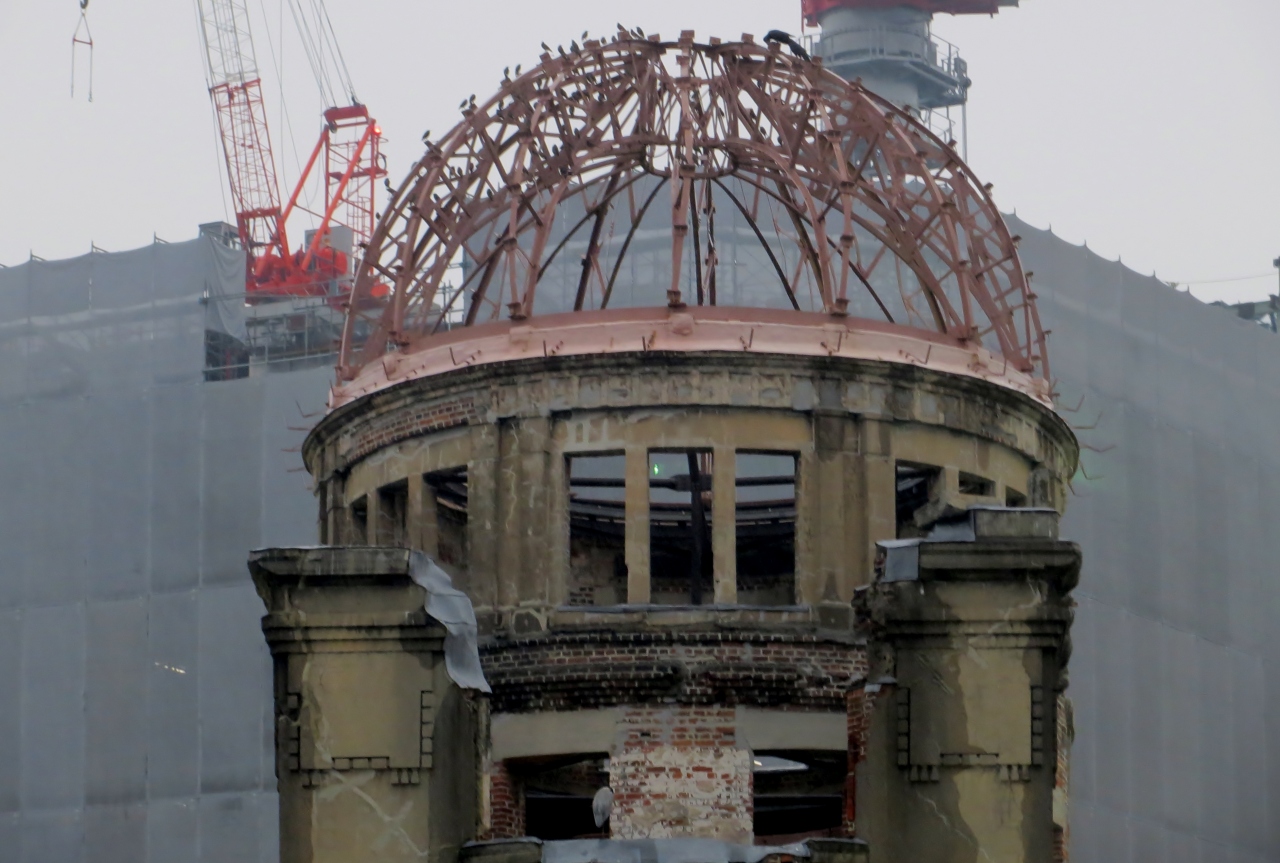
787, 39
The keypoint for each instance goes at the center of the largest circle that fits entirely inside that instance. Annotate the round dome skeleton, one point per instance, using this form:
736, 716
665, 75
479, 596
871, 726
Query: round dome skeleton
852, 207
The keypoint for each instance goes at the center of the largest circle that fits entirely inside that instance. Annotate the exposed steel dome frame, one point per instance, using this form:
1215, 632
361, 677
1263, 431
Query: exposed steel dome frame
840, 162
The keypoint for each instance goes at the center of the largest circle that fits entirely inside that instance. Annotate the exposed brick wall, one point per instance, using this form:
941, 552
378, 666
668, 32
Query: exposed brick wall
567, 671
1062, 781
422, 418
858, 714
506, 805
678, 772
597, 574
1059, 844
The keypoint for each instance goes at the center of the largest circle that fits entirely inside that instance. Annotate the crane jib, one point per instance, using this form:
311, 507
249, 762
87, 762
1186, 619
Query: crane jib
347, 154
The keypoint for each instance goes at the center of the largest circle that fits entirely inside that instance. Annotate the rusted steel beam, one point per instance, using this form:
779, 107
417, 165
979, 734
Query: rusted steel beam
843, 191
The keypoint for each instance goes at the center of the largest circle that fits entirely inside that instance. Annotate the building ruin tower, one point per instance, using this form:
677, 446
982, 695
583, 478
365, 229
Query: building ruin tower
649, 354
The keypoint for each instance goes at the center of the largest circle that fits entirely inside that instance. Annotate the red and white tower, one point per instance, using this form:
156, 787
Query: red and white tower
890, 47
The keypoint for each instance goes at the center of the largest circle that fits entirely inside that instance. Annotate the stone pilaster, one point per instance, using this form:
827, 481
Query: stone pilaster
969, 645
376, 748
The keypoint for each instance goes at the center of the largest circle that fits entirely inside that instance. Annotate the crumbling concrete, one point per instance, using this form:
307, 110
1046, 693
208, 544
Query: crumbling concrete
954, 731
602, 660
377, 749
513, 425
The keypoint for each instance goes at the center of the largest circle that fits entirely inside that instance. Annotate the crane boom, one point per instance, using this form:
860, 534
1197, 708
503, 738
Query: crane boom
350, 141
236, 89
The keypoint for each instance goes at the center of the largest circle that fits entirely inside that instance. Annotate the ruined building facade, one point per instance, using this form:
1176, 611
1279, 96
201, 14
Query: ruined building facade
751, 529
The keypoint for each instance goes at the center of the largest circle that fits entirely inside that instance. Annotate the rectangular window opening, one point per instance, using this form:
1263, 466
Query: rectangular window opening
393, 514
558, 794
597, 529
452, 546
360, 521
1014, 498
765, 515
916, 486
680, 561
798, 795
978, 486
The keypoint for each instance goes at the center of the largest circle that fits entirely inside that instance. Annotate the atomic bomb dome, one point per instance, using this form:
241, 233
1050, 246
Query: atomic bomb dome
672, 357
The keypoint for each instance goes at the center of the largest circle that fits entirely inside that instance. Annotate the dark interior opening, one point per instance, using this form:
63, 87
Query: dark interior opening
597, 529
976, 485
226, 358
680, 561
393, 514
798, 795
917, 484
450, 491
766, 527
360, 521
558, 794
1014, 498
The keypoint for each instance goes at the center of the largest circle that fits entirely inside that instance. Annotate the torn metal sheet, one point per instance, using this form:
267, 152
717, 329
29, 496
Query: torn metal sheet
453, 609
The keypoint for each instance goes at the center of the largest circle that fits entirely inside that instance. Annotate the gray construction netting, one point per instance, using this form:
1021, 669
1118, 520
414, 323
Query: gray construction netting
135, 714
1175, 677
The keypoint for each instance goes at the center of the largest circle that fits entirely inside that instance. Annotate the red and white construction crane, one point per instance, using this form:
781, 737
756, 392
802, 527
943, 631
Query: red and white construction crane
348, 153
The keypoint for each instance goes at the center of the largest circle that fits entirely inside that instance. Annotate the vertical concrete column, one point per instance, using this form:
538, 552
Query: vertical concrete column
415, 529
511, 515
372, 516
557, 518
878, 492
377, 750
482, 518
724, 524
637, 530
831, 449
341, 527
424, 514
535, 493
968, 650
324, 519
808, 528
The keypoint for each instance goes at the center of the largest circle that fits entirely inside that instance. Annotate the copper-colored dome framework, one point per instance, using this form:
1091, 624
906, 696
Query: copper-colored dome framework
856, 208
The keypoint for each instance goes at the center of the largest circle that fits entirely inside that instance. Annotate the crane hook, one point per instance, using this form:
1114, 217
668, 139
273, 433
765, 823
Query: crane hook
86, 40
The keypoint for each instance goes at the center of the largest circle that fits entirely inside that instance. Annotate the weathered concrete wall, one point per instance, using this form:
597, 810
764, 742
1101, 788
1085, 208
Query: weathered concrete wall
377, 750
957, 756
135, 698
1176, 674
513, 425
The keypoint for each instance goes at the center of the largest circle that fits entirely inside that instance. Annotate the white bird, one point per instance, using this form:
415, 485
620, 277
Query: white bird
602, 805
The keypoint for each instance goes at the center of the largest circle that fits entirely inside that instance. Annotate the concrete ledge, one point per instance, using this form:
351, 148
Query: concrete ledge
574, 732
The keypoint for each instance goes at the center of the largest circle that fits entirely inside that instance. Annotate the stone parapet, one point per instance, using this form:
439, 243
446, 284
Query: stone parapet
482, 468
876, 390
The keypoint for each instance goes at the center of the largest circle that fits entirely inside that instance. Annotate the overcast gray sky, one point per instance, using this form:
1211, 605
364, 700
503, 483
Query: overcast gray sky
1148, 128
